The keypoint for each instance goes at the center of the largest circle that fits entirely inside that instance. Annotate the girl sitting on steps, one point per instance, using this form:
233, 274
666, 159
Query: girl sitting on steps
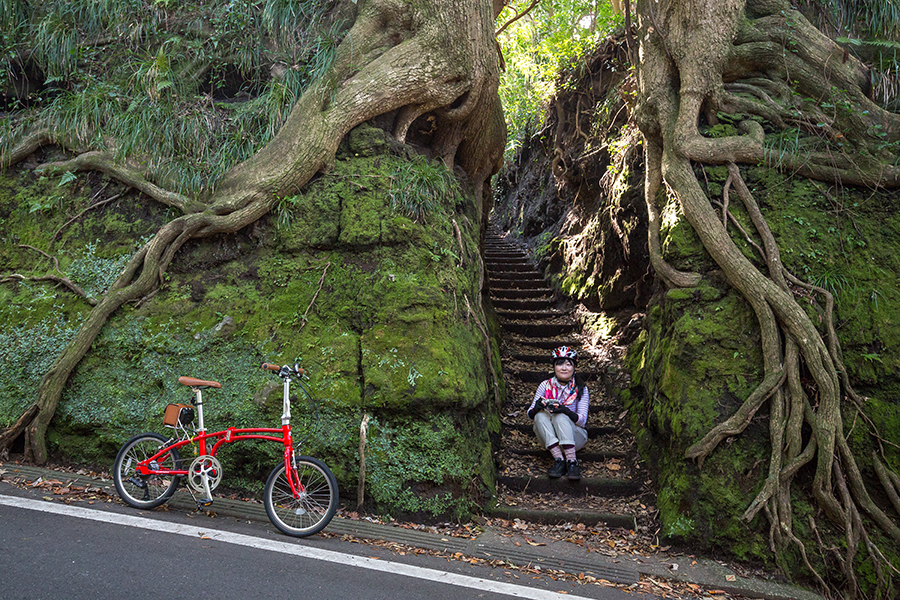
559, 411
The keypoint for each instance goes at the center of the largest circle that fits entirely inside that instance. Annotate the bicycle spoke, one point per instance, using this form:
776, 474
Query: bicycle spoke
311, 508
145, 491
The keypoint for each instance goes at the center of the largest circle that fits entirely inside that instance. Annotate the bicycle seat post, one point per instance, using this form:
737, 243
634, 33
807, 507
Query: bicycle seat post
286, 402
202, 426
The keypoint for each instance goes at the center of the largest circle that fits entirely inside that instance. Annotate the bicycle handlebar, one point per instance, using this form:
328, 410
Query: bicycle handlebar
285, 370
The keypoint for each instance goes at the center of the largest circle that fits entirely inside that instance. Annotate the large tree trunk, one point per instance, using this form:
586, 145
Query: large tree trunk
398, 61
693, 59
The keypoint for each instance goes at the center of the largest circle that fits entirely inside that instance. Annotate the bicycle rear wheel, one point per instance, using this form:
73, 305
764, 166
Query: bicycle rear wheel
145, 491
310, 511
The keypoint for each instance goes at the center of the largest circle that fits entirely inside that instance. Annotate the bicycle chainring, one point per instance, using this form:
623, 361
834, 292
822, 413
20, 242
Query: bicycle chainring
204, 465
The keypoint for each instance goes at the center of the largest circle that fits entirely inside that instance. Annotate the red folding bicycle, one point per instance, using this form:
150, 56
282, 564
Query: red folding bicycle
301, 494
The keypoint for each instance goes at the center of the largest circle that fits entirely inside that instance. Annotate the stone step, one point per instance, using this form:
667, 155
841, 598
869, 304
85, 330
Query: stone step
511, 293
543, 358
522, 303
544, 344
493, 246
509, 264
543, 331
494, 249
498, 257
532, 315
585, 486
592, 431
500, 262
517, 284
529, 275
539, 376
599, 403
526, 272
561, 516
582, 456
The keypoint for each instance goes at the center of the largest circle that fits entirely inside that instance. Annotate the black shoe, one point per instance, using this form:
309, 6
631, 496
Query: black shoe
574, 470
558, 469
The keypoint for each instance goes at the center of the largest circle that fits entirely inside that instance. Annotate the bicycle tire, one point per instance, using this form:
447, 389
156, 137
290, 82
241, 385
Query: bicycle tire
145, 491
309, 514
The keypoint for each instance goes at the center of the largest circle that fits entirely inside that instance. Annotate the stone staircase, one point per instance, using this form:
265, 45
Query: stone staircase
534, 320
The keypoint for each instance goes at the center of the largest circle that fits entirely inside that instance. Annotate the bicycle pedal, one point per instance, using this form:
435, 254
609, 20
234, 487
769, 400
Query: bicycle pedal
204, 502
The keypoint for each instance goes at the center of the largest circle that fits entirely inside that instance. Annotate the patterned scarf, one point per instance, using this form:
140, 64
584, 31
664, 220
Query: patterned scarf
564, 394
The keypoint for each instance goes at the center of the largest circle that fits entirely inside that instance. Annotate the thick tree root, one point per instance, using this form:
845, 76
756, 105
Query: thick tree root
675, 58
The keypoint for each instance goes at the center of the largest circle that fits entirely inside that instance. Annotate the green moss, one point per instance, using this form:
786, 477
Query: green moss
451, 452
373, 304
699, 359
679, 243
843, 241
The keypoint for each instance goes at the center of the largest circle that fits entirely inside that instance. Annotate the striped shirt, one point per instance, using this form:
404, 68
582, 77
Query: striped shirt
581, 404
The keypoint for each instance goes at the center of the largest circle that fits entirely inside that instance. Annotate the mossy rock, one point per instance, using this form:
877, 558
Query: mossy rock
372, 303
699, 357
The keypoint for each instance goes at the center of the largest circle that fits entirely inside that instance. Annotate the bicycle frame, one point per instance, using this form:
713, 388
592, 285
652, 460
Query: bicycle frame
231, 435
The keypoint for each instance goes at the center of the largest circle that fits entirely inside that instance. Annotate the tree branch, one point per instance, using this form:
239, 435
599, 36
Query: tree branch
517, 17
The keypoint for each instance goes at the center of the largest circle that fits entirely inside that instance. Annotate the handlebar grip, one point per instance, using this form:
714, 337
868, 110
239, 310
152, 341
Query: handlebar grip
271, 367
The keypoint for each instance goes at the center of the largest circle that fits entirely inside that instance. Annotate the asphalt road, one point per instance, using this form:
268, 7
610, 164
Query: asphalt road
51, 550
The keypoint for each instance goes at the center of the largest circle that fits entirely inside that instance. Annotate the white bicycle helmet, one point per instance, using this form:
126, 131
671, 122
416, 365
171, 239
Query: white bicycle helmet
564, 352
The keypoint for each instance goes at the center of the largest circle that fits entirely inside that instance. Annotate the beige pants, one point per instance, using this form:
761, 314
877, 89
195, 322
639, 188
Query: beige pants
559, 428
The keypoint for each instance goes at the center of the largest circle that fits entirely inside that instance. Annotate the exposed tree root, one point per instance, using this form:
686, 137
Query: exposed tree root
60, 279
694, 65
104, 162
392, 61
79, 215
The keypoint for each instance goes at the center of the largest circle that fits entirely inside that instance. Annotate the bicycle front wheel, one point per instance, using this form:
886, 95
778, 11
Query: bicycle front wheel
311, 509
145, 491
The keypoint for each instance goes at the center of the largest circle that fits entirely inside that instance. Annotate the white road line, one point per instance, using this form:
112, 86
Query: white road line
486, 585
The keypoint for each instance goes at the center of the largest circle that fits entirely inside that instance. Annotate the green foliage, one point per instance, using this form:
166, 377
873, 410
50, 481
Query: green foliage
871, 30
680, 527
26, 353
884, 56
153, 94
536, 48
879, 19
421, 187
95, 274
411, 464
